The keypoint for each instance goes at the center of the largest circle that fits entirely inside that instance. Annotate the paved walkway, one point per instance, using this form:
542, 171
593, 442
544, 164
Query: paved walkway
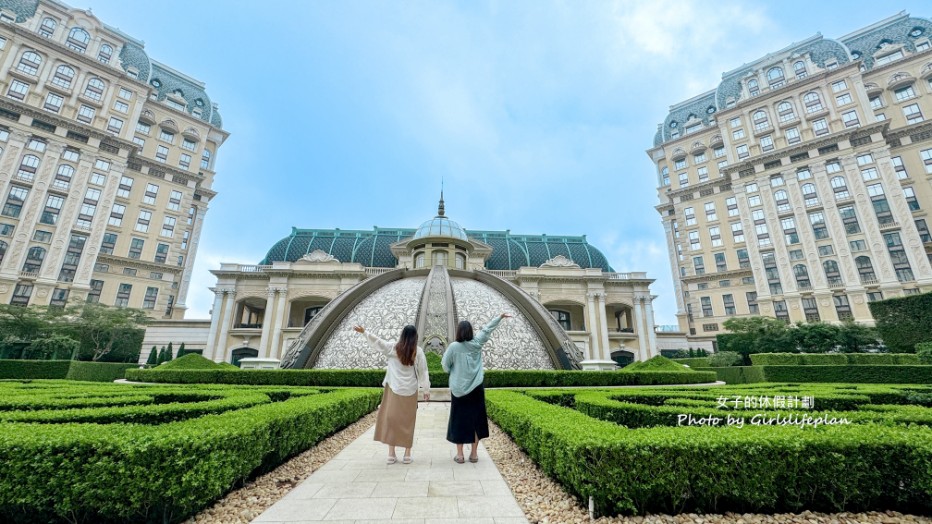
357, 486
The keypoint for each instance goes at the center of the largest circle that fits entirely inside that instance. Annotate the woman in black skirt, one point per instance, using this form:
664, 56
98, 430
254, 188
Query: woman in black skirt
463, 361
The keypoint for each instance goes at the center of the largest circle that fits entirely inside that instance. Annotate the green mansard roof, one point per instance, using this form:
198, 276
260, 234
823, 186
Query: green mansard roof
372, 248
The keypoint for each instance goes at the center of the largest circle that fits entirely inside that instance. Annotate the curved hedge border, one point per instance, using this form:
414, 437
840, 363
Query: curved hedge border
373, 377
63, 369
752, 469
163, 473
98, 371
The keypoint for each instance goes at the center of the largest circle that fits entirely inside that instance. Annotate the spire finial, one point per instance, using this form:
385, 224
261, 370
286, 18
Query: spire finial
440, 207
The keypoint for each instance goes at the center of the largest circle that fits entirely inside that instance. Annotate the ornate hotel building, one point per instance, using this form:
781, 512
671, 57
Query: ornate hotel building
298, 305
106, 164
799, 188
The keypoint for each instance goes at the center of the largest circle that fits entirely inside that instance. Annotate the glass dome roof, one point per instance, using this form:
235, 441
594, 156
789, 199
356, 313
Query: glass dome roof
440, 227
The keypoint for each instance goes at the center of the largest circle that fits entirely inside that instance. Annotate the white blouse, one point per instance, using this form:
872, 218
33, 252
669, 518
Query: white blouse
404, 380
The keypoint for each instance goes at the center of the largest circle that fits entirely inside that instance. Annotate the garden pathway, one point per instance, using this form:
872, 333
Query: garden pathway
357, 486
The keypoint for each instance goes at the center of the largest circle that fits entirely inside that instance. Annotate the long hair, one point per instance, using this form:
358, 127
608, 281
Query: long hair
464, 331
406, 347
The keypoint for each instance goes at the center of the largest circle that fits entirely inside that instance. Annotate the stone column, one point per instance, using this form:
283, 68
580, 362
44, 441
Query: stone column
264, 347
229, 304
603, 327
594, 352
279, 319
215, 315
640, 329
651, 332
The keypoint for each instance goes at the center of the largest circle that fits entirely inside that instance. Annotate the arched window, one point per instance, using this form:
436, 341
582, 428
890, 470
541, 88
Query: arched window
562, 318
813, 102
753, 87
440, 258
3, 246
460, 261
78, 39
800, 69
47, 28
775, 77
785, 111
865, 270
63, 177
95, 89
419, 260
802, 276
840, 187
34, 259
761, 121
63, 77
782, 199
105, 53
29, 63
205, 159
28, 167
810, 195
832, 275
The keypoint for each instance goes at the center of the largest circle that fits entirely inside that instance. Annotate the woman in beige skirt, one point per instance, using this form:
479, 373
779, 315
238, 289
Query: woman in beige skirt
405, 374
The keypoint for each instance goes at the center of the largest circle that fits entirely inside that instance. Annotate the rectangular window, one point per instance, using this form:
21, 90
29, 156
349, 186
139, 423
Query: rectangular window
843, 99
690, 216
143, 128
97, 179
876, 103
684, 179
716, 236
125, 94
114, 125
710, 214
904, 93
792, 135
174, 200
731, 203
729, 302
842, 307
849, 218
123, 294
129, 271
752, 302
161, 253
108, 244
152, 294
720, 262
184, 161
18, 90
152, 192
899, 168
706, 306
135, 248
190, 145
703, 171
21, 295
168, 227
86, 114
126, 185
53, 204
742, 151
116, 215
826, 251
694, 243
142, 223
6, 230
93, 296
187, 235
139, 142
850, 118
161, 153
718, 152
737, 232
820, 126
72, 257
858, 246
165, 136
923, 230
53, 102
766, 143
911, 201
744, 261
818, 225
14, 201
737, 134
912, 113
839, 86
121, 106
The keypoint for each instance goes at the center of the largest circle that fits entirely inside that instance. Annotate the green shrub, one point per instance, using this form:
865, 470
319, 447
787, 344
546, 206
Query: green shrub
658, 363
924, 352
163, 473
153, 359
53, 347
775, 359
98, 371
698, 469
876, 374
904, 322
828, 359
192, 361
33, 369
823, 359
373, 377
725, 358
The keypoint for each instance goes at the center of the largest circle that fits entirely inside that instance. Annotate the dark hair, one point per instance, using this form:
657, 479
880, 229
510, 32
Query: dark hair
406, 347
464, 331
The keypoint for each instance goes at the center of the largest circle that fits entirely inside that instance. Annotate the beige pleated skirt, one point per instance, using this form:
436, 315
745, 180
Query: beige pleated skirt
395, 422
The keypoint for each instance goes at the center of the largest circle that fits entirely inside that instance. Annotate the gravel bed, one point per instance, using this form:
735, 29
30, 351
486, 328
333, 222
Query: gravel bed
545, 501
244, 504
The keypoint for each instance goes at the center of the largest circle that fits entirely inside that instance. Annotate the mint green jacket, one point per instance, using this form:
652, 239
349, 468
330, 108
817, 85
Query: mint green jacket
463, 361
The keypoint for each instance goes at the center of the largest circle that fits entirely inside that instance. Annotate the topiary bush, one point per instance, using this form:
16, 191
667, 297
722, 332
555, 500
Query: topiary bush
193, 361
924, 352
724, 359
658, 363
98, 371
34, 369
904, 322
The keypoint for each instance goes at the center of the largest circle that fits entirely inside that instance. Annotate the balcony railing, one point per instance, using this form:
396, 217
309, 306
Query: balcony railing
667, 328
836, 283
375, 271
869, 281
502, 274
29, 274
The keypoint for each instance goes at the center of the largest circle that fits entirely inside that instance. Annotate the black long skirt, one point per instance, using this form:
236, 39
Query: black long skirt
468, 419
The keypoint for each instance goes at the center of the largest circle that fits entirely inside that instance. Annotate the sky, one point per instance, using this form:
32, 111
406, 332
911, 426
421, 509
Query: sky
535, 114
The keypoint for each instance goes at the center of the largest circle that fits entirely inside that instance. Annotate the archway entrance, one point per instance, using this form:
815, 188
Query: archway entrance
622, 357
241, 353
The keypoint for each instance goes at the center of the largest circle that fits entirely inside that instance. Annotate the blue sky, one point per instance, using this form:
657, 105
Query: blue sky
535, 113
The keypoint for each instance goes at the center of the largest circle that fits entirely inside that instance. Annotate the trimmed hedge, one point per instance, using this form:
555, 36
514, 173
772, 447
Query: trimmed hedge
494, 378
692, 469
852, 374
98, 371
904, 322
833, 359
164, 473
693, 362
738, 374
33, 369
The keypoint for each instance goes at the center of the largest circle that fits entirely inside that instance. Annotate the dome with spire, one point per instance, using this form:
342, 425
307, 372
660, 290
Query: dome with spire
440, 226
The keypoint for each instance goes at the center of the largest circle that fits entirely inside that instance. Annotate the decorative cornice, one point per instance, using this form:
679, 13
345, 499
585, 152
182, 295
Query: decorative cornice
140, 264
318, 256
560, 261
711, 277
45, 116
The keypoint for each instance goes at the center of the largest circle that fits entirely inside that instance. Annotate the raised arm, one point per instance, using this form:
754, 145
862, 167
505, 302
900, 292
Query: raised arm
382, 346
483, 336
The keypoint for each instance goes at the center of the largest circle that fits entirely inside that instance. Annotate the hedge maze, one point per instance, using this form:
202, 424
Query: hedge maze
87, 452
752, 448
